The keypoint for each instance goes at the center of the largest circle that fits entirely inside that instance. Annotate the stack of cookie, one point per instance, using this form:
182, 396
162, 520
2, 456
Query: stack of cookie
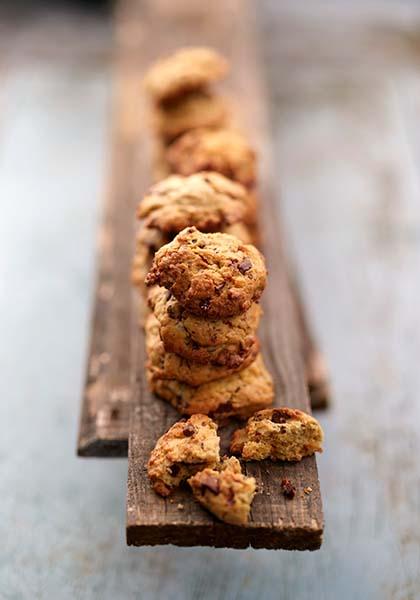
203, 352
206, 200
179, 88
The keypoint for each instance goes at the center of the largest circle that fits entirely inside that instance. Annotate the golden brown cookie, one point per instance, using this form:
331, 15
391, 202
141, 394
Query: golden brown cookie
185, 70
222, 150
205, 200
167, 365
226, 342
187, 447
225, 491
279, 434
213, 275
149, 240
239, 395
196, 109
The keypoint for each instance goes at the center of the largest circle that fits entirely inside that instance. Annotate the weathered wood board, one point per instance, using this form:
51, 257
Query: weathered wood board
104, 421
275, 522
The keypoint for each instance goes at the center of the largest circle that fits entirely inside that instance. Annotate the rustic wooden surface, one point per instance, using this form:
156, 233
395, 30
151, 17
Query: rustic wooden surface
275, 522
104, 420
345, 87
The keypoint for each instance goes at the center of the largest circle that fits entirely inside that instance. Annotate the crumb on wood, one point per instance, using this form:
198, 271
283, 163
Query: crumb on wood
288, 489
308, 490
180, 506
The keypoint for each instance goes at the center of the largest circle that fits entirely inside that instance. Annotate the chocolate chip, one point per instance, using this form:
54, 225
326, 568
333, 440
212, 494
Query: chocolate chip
226, 407
280, 416
210, 483
188, 430
174, 470
205, 304
288, 489
245, 265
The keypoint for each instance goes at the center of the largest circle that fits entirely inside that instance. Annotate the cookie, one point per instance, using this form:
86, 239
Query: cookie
222, 342
167, 365
185, 70
196, 109
239, 395
205, 200
225, 491
213, 275
222, 150
187, 447
149, 240
279, 434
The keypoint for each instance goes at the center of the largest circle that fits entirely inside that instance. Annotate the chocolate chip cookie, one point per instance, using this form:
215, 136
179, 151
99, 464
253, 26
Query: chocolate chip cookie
280, 434
187, 447
213, 275
240, 395
185, 70
222, 150
167, 365
205, 200
226, 342
225, 491
195, 109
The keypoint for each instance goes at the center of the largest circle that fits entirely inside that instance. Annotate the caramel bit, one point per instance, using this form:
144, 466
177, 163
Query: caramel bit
308, 490
188, 430
211, 483
245, 265
288, 489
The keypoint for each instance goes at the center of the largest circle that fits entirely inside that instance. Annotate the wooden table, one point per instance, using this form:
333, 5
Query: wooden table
345, 113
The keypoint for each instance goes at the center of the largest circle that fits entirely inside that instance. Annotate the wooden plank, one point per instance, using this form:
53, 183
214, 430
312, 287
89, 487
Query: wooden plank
104, 422
107, 397
275, 522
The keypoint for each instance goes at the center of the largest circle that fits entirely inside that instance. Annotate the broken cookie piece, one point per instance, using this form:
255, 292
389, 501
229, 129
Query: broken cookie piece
225, 491
187, 447
279, 434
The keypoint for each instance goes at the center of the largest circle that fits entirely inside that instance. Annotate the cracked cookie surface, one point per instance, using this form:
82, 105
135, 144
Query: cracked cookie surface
187, 447
213, 275
279, 434
222, 150
240, 394
167, 365
225, 491
185, 70
220, 342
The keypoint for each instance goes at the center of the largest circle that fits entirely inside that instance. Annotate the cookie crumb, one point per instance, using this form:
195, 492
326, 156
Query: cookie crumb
180, 506
288, 489
308, 490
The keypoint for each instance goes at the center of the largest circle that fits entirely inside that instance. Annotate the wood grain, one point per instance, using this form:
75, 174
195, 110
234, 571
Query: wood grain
275, 522
107, 398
